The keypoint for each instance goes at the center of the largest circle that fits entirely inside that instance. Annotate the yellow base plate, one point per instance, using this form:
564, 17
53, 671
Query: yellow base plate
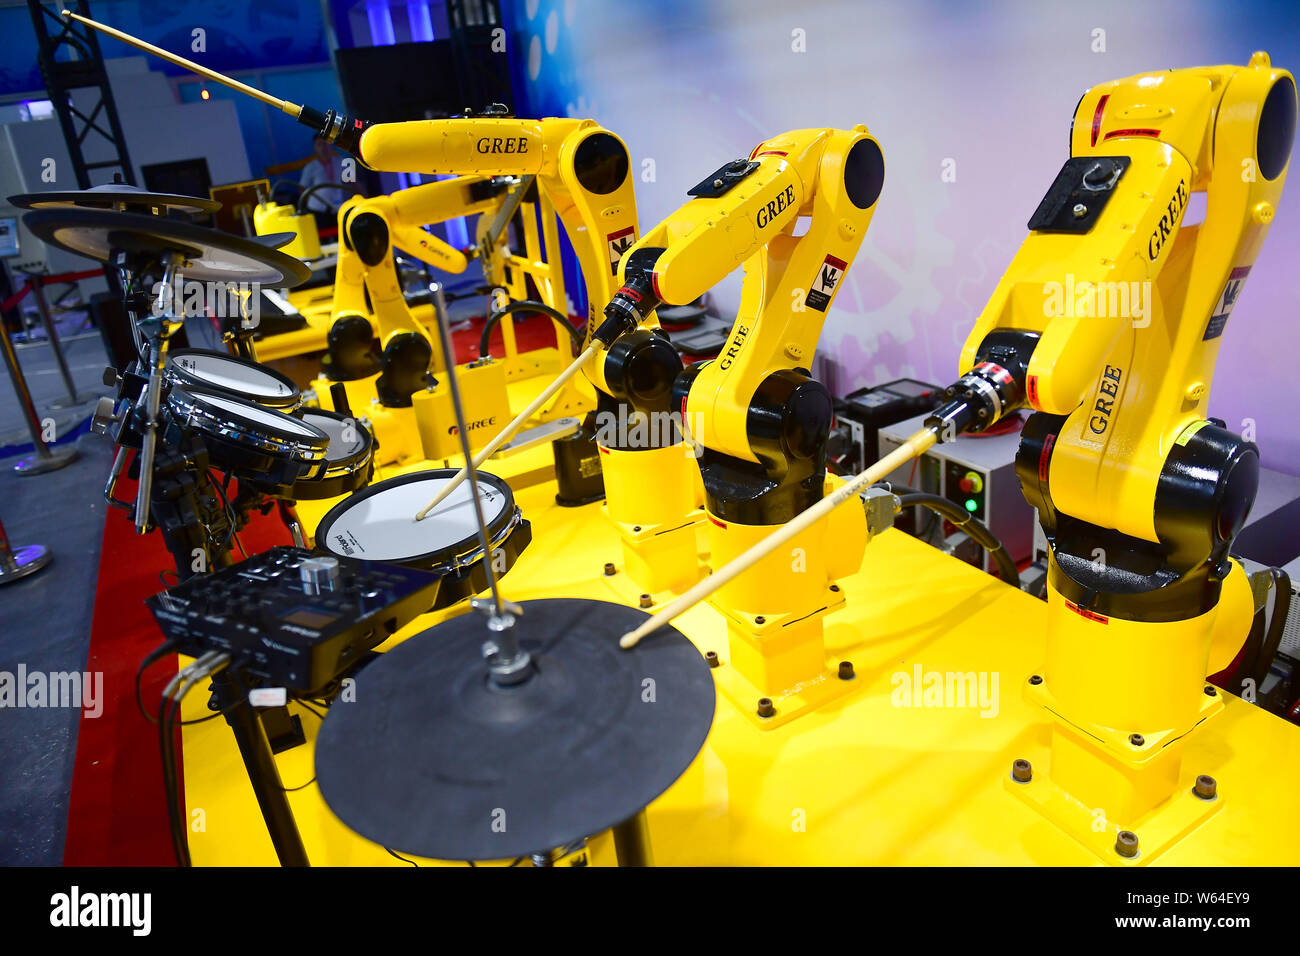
886, 771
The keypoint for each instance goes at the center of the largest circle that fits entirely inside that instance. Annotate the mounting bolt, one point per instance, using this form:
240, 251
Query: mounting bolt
835, 588
646, 600
711, 657
1079, 210
1137, 740
636, 527
1022, 771
609, 569
765, 707
1126, 844
1035, 679
1210, 691
1207, 788
846, 670
760, 620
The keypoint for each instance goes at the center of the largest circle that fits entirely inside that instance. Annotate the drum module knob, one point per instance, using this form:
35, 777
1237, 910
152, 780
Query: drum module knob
319, 575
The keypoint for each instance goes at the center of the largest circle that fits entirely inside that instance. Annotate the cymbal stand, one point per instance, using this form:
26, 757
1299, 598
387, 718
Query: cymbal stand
157, 329
508, 663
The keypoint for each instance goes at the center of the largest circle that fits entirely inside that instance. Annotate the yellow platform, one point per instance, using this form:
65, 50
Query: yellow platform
863, 779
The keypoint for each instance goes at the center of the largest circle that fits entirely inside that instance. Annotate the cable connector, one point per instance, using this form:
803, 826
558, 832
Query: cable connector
635, 299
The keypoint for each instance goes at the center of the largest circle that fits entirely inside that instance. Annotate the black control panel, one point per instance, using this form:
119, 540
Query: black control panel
293, 617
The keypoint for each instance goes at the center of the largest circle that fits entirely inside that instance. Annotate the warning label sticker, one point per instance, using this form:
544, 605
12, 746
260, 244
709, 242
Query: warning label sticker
823, 290
619, 243
1227, 299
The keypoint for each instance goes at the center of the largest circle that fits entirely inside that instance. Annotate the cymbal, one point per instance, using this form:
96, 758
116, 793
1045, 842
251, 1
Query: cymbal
274, 240
210, 255
433, 758
119, 196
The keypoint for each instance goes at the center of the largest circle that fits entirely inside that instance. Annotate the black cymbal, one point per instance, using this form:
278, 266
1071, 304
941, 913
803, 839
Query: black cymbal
432, 758
210, 255
274, 240
119, 196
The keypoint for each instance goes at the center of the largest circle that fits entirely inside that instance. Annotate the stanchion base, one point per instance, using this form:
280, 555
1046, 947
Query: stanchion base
38, 464
27, 560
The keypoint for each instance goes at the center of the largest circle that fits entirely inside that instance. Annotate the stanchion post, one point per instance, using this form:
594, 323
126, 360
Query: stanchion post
20, 563
47, 319
44, 458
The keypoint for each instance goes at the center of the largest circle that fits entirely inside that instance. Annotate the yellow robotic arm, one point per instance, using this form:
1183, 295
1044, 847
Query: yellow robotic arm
369, 230
1108, 324
1111, 312
755, 405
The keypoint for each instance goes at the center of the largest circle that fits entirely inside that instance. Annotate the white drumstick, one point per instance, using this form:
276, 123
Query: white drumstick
488, 449
293, 109
915, 446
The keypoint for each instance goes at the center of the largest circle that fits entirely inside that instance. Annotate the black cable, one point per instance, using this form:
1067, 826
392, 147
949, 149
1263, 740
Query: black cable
1281, 608
167, 708
964, 520
303, 787
303, 196
303, 704
149, 660
402, 858
526, 305
978, 532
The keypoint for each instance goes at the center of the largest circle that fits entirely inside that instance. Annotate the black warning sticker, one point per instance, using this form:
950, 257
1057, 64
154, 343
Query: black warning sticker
1227, 299
823, 290
619, 243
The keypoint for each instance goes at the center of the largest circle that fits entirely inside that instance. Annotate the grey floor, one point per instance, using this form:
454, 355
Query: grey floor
45, 618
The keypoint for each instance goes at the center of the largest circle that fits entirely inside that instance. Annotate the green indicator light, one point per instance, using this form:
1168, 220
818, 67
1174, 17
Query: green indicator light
971, 504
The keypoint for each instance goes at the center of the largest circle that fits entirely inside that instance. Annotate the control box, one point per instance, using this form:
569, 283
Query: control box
863, 413
292, 617
978, 472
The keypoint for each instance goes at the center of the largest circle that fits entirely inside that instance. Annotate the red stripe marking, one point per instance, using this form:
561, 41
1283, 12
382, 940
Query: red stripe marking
1087, 615
716, 521
997, 371
773, 152
654, 282
1045, 456
1096, 117
1131, 132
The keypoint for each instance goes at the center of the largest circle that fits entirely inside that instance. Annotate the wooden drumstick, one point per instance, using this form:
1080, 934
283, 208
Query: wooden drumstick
915, 446
490, 448
285, 106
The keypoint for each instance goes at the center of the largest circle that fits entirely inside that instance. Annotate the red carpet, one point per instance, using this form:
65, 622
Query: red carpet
116, 814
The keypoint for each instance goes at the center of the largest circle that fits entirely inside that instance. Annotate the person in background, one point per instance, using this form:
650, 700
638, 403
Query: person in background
325, 167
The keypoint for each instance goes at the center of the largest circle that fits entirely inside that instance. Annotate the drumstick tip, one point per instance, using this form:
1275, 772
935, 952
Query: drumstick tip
630, 639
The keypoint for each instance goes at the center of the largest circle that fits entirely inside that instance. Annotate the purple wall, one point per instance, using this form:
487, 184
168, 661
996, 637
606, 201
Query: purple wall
992, 86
